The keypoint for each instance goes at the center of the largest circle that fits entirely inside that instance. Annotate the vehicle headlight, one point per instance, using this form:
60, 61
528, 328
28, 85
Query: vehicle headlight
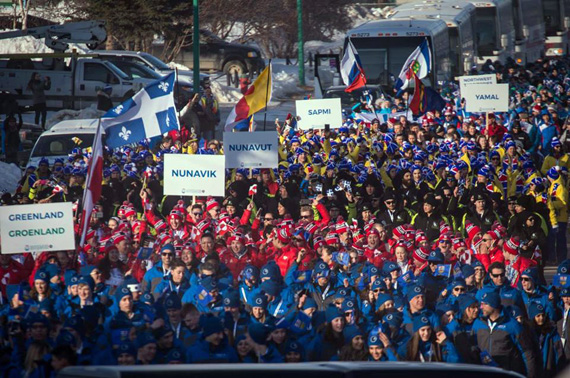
252, 54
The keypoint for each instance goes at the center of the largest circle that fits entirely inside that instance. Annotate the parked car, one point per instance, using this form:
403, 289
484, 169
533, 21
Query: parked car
219, 55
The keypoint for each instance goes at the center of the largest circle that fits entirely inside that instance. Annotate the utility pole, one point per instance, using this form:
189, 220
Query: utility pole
196, 47
301, 55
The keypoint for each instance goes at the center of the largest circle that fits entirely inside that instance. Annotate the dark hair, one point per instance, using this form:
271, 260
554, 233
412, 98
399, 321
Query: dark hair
177, 263
496, 265
413, 349
65, 352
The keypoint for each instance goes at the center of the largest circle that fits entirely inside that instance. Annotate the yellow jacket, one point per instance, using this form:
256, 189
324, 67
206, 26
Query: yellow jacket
558, 201
550, 161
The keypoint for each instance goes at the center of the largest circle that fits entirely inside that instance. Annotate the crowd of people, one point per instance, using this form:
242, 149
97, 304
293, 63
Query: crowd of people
410, 240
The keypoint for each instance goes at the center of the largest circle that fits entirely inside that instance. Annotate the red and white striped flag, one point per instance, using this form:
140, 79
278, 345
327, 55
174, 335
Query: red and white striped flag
93, 185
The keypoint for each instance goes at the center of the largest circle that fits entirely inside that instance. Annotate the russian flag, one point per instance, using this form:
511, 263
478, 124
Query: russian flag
351, 69
255, 99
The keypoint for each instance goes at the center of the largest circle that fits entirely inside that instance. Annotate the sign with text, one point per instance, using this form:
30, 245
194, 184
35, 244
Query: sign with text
315, 114
487, 98
194, 175
37, 228
251, 150
467, 81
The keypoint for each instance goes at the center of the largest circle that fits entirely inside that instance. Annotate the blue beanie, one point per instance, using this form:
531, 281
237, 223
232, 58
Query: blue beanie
126, 347
259, 332
421, 321
531, 273
555, 142
231, 299
174, 355
348, 305
41, 275
467, 271
414, 291
209, 283
382, 298
332, 313
389, 267
259, 300
564, 267
378, 284
436, 256
145, 338
210, 325
492, 298
167, 247
249, 272
399, 301
65, 338
565, 292
464, 301
350, 332
172, 302
270, 271
534, 309
309, 303
270, 287
374, 340
394, 319
122, 292
87, 280
553, 173
294, 346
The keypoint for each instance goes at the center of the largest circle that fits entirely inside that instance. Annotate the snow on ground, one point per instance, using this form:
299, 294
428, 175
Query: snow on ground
10, 174
31, 45
66, 114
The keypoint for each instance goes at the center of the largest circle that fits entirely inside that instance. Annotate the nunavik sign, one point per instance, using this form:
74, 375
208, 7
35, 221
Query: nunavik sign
194, 175
315, 114
37, 228
251, 150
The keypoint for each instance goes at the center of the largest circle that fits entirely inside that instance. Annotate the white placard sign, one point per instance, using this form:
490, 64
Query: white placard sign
251, 150
194, 175
467, 81
487, 98
37, 228
315, 114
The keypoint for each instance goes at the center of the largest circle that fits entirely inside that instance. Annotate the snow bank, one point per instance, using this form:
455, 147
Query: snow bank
31, 45
285, 79
10, 174
177, 66
66, 114
223, 93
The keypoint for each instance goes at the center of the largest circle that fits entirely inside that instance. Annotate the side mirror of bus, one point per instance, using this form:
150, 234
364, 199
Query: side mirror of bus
566, 22
526, 31
504, 41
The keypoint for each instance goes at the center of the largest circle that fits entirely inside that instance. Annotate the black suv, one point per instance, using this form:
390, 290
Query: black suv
218, 55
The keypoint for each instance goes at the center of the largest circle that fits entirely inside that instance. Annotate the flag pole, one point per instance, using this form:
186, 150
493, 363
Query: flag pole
178, 94
269, 77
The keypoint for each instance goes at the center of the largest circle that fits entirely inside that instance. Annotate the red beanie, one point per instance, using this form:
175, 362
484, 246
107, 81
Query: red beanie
421, 254
512, 246
283, 236
211, 204
472, 230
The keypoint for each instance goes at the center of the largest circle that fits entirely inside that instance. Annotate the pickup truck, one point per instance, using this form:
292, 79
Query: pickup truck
74, 84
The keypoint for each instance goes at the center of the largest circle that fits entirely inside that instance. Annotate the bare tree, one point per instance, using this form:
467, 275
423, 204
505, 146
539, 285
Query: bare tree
24, 6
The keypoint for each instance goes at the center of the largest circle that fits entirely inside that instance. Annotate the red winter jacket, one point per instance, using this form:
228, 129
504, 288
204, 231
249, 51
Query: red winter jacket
12, 274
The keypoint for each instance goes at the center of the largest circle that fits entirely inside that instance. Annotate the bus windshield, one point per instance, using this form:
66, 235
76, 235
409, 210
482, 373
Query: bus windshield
552, 19
383, 58
486, 30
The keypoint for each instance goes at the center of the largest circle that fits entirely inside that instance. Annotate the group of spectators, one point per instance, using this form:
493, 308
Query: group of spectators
410, 240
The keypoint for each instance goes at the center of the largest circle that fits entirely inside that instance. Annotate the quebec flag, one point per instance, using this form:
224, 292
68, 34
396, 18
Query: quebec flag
148, 113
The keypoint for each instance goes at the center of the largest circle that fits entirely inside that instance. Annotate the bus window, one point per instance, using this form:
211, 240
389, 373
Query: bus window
486, 30
454, 50
552, 16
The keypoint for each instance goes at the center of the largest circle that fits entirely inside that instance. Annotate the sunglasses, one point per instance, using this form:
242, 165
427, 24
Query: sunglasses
459, 289
197, 214
305, 217
525, 279
268, 219
168, 254
389, 202
497, 275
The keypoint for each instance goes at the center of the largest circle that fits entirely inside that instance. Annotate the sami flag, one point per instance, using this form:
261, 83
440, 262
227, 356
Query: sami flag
255, 99
425, 99
351, 69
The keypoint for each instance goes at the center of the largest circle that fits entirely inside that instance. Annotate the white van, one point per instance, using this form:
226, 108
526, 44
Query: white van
58, 141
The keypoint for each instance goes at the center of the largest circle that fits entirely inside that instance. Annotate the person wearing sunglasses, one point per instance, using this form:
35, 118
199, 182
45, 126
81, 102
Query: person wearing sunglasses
499, 283
532, 292
394, 215
156, 274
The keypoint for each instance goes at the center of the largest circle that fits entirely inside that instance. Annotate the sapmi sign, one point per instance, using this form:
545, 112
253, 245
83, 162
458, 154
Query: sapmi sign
315, 114
486, 98
251, 150
37, 228
194, 175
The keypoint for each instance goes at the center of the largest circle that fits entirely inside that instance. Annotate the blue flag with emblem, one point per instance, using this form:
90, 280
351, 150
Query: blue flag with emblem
149, 113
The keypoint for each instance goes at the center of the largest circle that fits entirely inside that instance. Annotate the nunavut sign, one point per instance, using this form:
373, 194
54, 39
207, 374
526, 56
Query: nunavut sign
37, 228
251, 150
315, 114
194, 175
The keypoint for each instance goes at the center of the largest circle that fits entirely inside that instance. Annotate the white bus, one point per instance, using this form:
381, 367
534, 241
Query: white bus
384, 46
557, 25
529, 30
460, 19
494, 30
